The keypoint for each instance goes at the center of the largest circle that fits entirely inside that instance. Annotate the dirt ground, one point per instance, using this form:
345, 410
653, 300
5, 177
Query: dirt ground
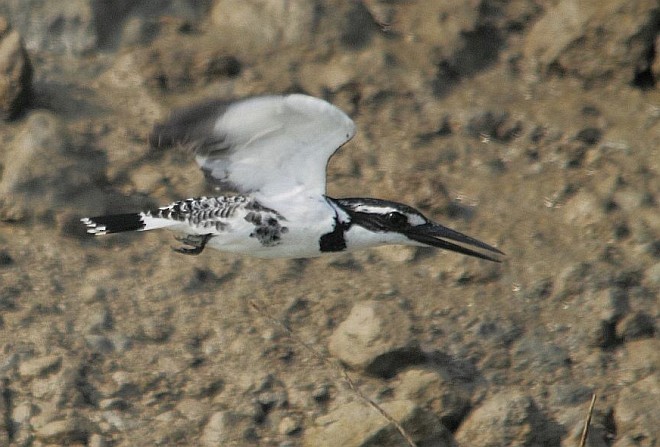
533, 125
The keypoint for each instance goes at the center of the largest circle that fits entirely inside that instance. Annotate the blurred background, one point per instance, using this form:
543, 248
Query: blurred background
533, 125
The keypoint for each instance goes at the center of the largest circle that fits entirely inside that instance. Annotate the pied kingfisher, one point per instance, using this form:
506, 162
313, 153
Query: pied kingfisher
273, 151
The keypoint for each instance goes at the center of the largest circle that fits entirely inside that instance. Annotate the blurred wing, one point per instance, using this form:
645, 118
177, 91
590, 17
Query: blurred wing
268, 146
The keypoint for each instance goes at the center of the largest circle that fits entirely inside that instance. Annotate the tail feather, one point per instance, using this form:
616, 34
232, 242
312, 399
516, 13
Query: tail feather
117, 223
114, 223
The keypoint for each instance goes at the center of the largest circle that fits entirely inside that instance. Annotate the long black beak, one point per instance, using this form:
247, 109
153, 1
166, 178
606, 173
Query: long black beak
434, 235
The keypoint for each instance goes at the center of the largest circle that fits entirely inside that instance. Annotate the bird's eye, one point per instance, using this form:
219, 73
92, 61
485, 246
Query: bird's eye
396, 219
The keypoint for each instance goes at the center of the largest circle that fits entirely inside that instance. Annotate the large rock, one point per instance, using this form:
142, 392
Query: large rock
61, 27
618, 34
252, 27
636, 410
74, 429
43, 174
358, 425
15, 72
377, 338
637, 405
509, 418
444, 397
224, 427
641, 359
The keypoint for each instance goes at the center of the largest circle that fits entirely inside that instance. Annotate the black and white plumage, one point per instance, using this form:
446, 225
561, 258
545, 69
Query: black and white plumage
273, 151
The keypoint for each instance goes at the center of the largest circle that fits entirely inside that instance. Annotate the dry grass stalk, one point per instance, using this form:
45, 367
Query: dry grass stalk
587, 422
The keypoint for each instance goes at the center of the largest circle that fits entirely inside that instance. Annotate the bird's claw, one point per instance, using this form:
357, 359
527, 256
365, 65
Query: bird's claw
196, 243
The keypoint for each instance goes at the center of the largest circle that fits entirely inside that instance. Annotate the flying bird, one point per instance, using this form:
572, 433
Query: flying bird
272, 151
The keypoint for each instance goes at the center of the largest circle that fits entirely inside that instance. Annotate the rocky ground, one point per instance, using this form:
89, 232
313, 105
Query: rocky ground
530, 124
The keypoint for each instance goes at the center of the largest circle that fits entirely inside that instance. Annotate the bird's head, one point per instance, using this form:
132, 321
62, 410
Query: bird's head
381, 222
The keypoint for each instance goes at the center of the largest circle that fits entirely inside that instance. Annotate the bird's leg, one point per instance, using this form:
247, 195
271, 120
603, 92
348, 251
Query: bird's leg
196, 241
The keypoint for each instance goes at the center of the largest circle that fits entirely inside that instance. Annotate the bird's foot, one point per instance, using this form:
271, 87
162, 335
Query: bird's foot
195, 242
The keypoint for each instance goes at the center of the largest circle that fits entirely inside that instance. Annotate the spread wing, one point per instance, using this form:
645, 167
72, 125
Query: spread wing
268, 145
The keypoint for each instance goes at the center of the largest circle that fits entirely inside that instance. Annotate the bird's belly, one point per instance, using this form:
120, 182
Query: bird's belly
281, 239
292, 242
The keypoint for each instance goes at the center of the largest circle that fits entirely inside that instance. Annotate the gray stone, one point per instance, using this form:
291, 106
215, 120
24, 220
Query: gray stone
602, 309
569, 394
15, 72
376, 337
589, 135
496, 331
655, 68
113, 403
272, 399
357, 27
637, 409
496, 125
40, 366
652, 274
507, 418
612, 303
536, 355
5, 422
622, 29
601, 333
572, 280
193, 410
176, 63
224, 427
96, 440
289, 425
70, 388
126, 385
120, 342
572, 419
5, 259
99, 320
429, 389
74, 429
22, 413
60, 27
42, 172
99, 343
156, 330
251, 28
321, 393
540, 289
636, 326
583, 209
641, 359
9, 362
358, 425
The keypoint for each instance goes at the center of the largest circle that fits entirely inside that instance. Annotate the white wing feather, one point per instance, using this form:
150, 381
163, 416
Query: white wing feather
268, 146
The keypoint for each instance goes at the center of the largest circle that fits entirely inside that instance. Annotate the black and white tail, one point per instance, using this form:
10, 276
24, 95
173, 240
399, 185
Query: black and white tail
200, 212
117, 223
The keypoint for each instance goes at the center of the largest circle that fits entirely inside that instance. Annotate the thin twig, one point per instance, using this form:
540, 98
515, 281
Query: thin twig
335, 365
587, 423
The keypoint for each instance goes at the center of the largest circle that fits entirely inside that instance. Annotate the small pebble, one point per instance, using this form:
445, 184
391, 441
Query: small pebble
288, 426
636, 326
40, 366
5, 259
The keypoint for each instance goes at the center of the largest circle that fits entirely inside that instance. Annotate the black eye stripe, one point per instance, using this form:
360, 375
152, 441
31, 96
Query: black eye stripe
397, 219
